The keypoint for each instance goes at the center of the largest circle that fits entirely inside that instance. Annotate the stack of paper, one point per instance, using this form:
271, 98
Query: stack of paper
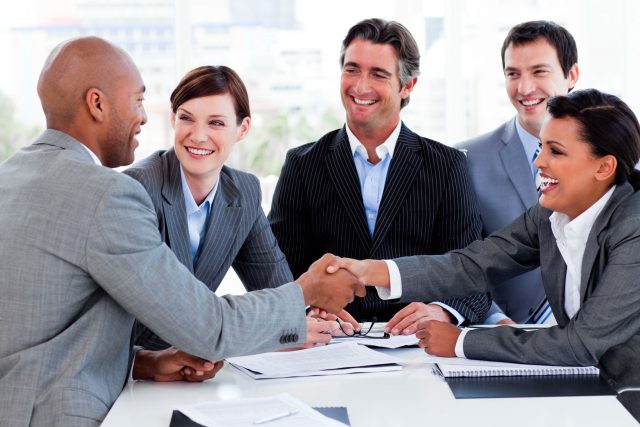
277, 411
343, 358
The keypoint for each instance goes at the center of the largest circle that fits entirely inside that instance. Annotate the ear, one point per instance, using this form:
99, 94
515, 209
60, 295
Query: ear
607, 168
96, 102
407, 88
243, 129
574, 73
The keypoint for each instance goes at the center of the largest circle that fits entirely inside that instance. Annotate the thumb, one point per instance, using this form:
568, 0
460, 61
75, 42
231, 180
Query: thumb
195, 362
334, 265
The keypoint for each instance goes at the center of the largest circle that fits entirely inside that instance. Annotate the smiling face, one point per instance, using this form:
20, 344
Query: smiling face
573, 178
127, 117
533, 74
370, 88
206, 129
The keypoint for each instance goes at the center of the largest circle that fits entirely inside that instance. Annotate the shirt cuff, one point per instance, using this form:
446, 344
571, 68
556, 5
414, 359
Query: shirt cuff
495, 318
459, 318
136, 348
460, 343
394, 291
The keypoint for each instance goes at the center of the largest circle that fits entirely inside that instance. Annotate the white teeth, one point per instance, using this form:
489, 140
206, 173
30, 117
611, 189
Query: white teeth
547, 180
199, 151
364, 101
531, 102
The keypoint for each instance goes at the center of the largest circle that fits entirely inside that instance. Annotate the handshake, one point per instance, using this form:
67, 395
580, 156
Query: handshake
333, 282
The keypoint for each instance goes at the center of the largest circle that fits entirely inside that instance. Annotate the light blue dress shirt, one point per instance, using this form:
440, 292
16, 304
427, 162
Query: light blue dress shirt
197, 216
372, 177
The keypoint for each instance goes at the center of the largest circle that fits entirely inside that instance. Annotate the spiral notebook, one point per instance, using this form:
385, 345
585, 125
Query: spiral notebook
469, 379
503, 369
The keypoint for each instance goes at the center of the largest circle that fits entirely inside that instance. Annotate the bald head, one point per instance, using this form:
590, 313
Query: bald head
74, 67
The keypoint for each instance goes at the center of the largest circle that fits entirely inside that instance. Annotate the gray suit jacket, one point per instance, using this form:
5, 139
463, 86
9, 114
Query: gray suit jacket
606, 329
81, 257
502, 179
237, 233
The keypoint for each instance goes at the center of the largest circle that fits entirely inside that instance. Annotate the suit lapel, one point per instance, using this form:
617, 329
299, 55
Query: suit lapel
555, 272
223, 224
174, 211
344, 177
402, 172
592, 247
516, 165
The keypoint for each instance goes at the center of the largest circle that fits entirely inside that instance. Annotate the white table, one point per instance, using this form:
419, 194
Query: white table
413, 396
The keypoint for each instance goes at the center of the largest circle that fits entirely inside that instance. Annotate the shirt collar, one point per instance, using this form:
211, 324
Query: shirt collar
189, 202
581, 225
387, 147
95, 158
529, 142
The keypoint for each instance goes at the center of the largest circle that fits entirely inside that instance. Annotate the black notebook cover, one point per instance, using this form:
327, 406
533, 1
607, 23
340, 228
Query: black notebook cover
529, 386
338, 413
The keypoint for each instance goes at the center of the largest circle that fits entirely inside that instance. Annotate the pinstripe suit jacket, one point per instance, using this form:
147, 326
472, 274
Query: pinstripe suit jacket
502, 179
427, 207
606, 329
238, 233
81, 256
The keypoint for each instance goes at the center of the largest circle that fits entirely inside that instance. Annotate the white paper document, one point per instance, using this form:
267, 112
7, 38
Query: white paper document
282, 410
342, 358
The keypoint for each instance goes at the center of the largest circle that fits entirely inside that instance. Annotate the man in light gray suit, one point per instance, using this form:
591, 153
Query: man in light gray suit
539, 59
81, 256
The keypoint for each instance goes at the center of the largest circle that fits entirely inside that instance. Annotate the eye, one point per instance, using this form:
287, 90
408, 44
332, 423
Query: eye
380, 76
216, 123
349, 70
184, 117
511, 74
541, 72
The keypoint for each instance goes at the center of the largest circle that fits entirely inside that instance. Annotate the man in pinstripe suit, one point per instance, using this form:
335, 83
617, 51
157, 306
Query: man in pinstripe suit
374, 188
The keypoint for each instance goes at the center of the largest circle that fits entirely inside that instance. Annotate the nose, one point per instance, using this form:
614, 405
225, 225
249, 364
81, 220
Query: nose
143, 119
199, 133
541, 160
526, 85
362, 84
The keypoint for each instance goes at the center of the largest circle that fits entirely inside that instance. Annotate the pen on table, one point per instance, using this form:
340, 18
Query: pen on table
276, 417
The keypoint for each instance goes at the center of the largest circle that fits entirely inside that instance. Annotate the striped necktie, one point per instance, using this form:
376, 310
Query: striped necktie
536, 172
543, 314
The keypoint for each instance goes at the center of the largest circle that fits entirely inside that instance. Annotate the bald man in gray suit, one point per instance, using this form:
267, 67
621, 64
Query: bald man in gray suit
81, 256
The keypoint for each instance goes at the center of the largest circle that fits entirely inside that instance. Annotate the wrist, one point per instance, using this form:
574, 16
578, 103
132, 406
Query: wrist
144, 365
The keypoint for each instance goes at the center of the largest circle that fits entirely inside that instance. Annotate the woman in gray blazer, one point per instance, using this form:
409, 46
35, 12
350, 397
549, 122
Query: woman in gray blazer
209, 214
584, 234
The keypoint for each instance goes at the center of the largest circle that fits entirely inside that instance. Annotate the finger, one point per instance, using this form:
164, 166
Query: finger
397, 318
347, 318
408, 325
360, 289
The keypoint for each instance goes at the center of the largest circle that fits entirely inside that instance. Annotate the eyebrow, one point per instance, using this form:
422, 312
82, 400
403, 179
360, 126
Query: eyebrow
533, 67
374, 69
209, 116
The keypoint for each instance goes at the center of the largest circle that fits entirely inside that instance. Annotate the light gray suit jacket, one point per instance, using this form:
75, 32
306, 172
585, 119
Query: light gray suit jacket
238, 233
81, 256
606, 329
502, 179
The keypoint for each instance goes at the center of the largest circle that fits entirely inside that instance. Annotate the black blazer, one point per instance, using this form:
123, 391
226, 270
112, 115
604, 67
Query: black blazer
427, 207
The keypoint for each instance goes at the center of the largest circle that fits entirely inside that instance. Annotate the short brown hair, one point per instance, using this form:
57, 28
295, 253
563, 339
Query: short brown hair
212, 80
